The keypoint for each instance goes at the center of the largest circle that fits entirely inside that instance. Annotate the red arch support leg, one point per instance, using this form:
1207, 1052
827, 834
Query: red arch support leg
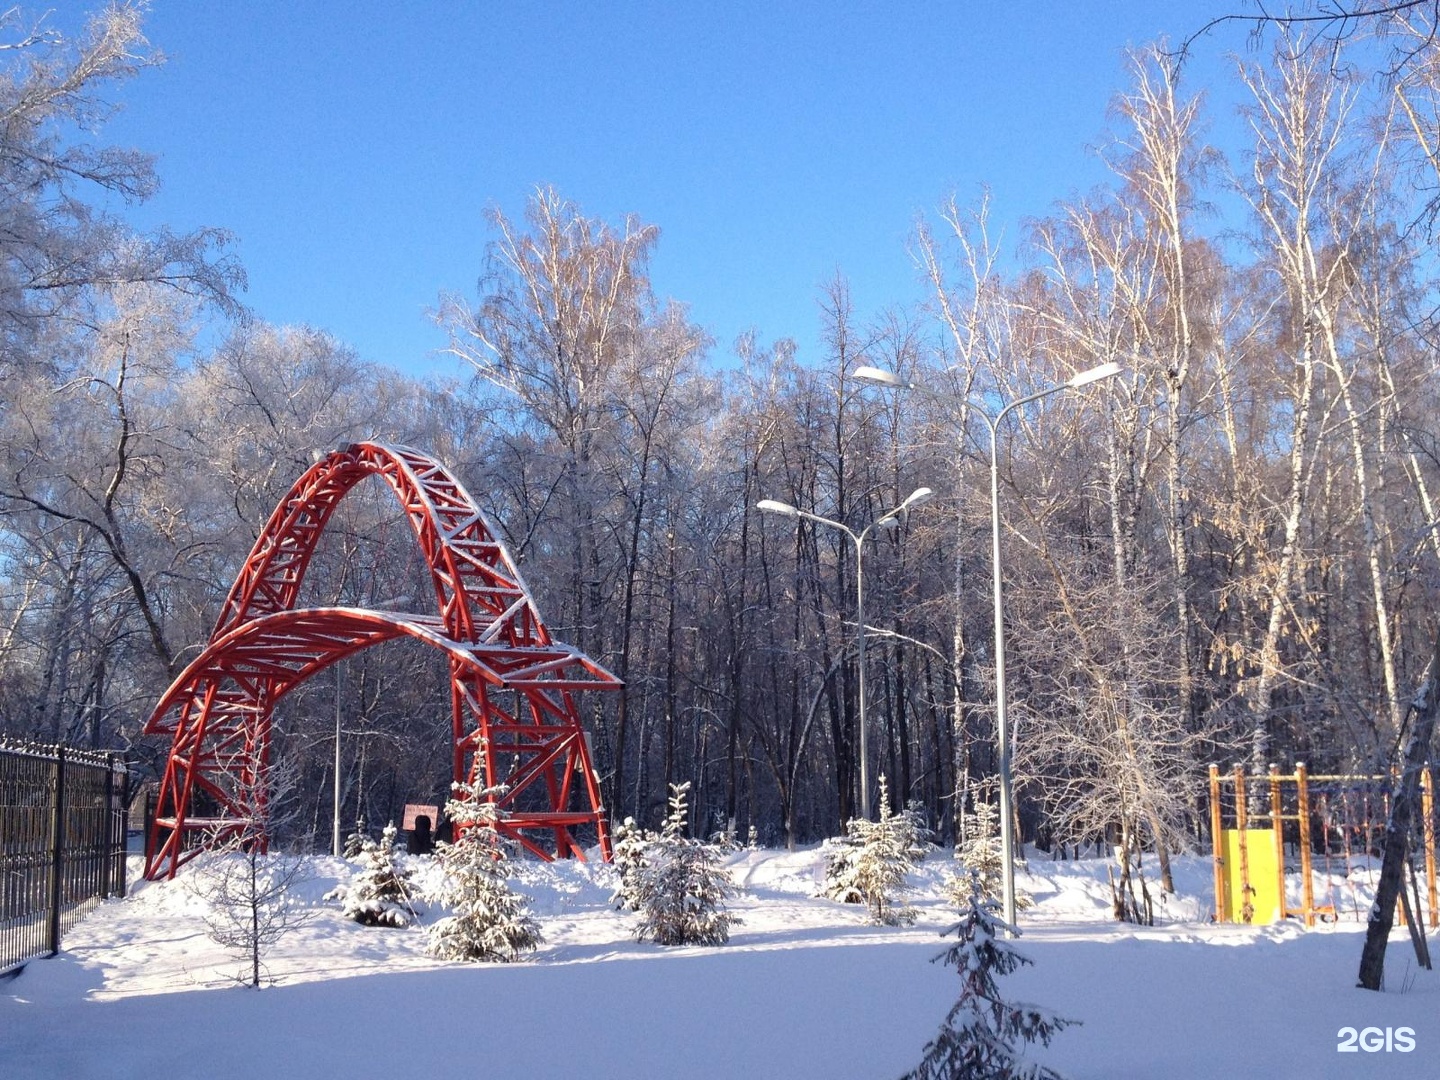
515, 726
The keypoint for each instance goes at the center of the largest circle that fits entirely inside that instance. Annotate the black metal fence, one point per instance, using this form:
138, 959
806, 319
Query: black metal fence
62, 843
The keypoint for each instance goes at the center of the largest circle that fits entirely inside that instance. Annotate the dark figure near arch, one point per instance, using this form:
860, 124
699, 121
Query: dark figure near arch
420, 842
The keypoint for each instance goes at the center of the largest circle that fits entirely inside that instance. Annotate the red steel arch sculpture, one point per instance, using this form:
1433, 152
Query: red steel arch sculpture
532, 746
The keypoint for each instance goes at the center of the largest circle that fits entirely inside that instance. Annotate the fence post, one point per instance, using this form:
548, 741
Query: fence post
1307, 881
124, 818
57, 861
1242, 824
107, 851
1427, 805
1217, 837
1277, 822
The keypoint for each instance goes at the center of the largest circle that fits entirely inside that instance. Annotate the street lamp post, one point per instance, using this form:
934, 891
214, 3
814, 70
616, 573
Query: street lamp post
919, 495
335, 824
881, 377
335, 847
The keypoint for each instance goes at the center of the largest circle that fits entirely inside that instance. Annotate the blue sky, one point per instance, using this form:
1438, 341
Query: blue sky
353, 147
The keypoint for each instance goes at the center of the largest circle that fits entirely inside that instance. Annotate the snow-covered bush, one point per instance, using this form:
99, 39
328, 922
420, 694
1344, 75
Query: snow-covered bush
870, 863
981, 859
381, 894
682, 886
488, 920
983, 1036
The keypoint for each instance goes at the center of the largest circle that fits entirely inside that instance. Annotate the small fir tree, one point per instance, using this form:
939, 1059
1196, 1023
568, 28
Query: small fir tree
355, 843
870, 864
629, 857
909, 825
840, 855
381, 893
488, 920
983, 1036
682, 886
980, 857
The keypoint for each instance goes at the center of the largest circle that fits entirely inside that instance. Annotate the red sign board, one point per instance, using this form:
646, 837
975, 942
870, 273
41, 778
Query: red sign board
414, 810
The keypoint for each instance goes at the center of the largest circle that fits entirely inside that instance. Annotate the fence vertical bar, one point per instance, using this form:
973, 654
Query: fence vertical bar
1242, 823
1307, 884
57, 836
107, 837
1427, 804
124, 818
1216, 838
1277, 822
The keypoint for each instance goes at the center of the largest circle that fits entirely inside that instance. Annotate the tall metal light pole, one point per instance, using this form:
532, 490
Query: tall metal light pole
379, 605
335, 824
916, 497
881, 377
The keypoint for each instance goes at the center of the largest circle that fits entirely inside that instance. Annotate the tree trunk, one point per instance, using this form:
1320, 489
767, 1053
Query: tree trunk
1397, 830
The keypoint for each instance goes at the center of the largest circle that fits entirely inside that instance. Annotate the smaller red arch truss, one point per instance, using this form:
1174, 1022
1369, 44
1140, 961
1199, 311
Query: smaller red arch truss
514, 723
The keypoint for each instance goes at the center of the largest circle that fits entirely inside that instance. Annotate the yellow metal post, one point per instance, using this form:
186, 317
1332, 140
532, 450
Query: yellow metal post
1247, 906
1277, 822
1427, 803
1307, 883
1215, 842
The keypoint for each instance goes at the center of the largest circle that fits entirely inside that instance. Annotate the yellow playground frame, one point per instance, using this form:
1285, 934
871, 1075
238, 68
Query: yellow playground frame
1271, 813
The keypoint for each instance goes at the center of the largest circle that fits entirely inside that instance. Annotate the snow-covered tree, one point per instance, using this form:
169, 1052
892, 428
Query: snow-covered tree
247, 889
683, 887
629, 859
488, 920
983, 1036
356, 842
870, 863
839, 884
981, 859
250, 902
381, 893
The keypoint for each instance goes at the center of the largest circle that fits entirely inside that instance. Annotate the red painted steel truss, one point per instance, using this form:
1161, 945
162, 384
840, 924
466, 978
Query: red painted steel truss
512, 690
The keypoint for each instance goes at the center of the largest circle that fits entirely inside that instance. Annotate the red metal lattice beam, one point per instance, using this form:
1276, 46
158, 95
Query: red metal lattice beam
217, 712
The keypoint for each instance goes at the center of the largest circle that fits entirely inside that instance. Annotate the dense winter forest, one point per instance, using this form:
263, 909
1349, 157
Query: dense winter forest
1229, 552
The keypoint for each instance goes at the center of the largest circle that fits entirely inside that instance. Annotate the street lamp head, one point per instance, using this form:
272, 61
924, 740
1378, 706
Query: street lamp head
916, 497
1095, 374
774, 506
876, 375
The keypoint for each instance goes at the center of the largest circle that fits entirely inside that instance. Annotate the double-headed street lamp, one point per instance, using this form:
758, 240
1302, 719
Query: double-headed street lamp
919, 495
881, 377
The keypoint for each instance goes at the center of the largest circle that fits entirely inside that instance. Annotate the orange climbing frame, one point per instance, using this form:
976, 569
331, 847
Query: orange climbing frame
531, 751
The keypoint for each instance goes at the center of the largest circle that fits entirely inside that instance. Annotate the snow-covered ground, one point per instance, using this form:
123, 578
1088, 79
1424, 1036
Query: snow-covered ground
804, 989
